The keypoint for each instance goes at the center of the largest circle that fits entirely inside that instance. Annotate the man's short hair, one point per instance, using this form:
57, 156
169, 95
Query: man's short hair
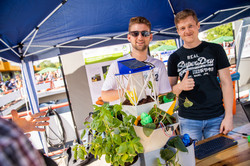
139, 20
184, 14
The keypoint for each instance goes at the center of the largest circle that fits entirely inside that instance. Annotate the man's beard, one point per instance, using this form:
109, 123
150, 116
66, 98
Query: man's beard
143, 48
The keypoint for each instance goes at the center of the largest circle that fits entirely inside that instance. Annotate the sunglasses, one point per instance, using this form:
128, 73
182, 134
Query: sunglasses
136, 33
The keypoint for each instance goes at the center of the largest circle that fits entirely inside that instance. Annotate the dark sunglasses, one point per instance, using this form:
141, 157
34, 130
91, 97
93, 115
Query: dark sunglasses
136, 33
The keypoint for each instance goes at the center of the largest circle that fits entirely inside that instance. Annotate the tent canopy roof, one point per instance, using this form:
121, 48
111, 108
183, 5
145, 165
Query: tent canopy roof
45, 26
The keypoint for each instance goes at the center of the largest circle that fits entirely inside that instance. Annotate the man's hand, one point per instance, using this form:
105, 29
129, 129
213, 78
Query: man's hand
226, 125
30, 122
187, 83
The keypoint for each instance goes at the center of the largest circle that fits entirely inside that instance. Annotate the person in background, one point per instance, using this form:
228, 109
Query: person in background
198, 63
12, 84
4, 88
1, 91
18, 82
139, 36
15, 147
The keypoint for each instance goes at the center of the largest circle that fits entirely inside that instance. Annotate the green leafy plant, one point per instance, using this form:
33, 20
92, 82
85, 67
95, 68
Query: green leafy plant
166, 98
157, 115
120, 144
170, 151
150, 86
170, 96
160, 116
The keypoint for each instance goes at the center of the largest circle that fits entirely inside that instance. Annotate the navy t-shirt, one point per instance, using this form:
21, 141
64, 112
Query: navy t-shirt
203, 63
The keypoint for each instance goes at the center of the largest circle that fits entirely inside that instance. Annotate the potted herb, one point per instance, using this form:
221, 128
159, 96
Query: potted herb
157, 130
120, 144
179, 150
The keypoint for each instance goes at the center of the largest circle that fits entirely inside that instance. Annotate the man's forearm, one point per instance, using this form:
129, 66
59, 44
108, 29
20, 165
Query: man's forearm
227, 91
110, 95
228, 99
176, 89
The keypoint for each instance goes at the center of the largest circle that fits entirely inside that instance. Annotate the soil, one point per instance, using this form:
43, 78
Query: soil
142, 101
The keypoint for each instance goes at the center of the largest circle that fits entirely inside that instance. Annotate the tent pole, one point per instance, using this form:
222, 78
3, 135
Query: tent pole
70, 106
44, 20
171, 6
10, 47
30, 42
235, 62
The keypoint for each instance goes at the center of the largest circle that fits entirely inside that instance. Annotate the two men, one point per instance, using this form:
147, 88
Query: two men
198, 63
139, 36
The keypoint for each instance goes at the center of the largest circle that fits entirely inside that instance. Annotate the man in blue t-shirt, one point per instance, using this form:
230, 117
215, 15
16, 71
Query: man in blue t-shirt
198, 64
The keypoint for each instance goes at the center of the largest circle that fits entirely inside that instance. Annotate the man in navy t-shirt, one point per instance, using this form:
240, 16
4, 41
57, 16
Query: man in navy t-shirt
197, 64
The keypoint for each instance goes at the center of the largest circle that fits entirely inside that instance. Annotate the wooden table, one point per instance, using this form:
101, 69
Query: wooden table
237, 155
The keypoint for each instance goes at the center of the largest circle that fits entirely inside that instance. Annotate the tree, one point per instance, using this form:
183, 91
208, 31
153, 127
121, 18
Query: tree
46, 63
222, 30
163, 42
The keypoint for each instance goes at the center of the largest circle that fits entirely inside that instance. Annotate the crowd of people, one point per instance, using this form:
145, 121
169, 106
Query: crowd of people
227, 44
48, 76
10, 85
15, 83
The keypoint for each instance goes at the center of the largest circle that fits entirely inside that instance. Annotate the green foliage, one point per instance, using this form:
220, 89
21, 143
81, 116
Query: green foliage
176, 142
162, 42
166, 98
47, 63
158, 115
222, 30
105, 74
150, 86
170, 97
148, 129
120, 143
168, 154
188, 103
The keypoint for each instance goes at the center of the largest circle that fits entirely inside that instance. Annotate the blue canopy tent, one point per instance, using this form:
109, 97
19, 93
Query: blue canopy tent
45, 26
35, 30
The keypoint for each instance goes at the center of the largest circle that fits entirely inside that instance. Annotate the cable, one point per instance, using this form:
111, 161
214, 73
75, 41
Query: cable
61, 138
150, 64
244, 134
165, 129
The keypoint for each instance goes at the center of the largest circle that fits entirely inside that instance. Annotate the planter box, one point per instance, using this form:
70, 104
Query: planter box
139, 109
158, 138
